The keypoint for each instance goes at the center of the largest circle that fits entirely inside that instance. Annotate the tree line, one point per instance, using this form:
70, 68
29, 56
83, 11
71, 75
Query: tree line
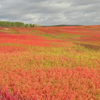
16, 24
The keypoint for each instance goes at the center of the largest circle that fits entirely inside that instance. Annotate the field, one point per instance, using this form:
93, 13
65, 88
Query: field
50, 63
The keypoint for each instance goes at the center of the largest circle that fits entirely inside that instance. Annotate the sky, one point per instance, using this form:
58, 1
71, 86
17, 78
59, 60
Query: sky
51, 12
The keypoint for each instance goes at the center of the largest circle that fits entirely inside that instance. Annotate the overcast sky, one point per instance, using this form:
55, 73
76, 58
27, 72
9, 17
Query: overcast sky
51, 12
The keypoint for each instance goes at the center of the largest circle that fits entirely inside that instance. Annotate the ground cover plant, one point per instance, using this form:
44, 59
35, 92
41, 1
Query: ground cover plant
50, 63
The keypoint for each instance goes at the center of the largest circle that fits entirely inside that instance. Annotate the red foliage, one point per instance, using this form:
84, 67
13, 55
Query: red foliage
50, 83
54, 84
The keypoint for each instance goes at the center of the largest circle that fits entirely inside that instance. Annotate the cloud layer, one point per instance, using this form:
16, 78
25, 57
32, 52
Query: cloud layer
51, 12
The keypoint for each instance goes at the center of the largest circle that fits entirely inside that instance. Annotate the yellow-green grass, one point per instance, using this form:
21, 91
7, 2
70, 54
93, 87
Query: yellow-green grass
35, 56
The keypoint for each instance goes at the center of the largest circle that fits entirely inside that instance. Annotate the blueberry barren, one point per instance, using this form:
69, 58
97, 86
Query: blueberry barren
50, 63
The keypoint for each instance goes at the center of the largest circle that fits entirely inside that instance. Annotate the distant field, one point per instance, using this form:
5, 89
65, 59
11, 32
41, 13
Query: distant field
50, 63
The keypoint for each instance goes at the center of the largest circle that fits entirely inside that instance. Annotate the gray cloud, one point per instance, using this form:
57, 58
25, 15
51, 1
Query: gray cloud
85, 2
51, 12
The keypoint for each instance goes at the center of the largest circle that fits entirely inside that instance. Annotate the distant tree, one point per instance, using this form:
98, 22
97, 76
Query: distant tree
31, 25
13, 24
16, 24
8, 24
19, 24
2, 23
27, 25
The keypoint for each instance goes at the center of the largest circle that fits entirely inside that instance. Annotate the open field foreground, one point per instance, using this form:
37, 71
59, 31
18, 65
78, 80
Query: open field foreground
50, 63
